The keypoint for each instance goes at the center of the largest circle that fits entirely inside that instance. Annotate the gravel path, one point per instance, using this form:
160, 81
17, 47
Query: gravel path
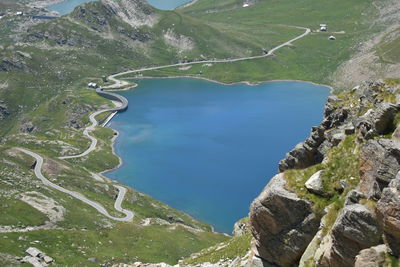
122, 191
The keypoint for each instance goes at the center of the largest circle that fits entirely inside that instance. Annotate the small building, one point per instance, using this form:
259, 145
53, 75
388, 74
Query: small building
323, 27
245, 5
333, 38
93, 85
34, 252
19, 13
48, 259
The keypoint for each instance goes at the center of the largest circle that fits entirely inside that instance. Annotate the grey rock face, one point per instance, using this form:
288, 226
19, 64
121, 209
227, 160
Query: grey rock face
396, 134
282, 224
314, 183
355, 229
383, 117
371, 257
388, 213
314, 148
3, 110
300, 157
304, 154
12, 64
27, 127
380, 162
353, 197
239, 228
376, 122
258, 262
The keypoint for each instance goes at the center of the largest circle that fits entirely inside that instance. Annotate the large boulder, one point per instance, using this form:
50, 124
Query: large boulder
380, 162
371, 257
376, 122
314, 183
388, 211
396, 134
355, 229
282, 224
305, 154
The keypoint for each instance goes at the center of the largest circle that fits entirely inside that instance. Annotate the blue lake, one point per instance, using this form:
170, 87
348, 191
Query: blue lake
167, 4
209, 149
68, 6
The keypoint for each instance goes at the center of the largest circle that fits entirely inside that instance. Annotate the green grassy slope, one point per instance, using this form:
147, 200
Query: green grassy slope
389, 50
68, 52
313, 58
44, 70
84, 233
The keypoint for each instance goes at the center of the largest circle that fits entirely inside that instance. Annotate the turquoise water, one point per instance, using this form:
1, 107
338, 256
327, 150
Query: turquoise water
68, 6
209, 149
167, 4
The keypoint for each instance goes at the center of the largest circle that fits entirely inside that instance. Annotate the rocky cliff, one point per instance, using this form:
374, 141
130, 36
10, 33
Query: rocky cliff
336, 200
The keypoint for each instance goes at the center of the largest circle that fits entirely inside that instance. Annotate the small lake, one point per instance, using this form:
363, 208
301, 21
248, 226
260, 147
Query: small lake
209, 149
68, 6
167, 4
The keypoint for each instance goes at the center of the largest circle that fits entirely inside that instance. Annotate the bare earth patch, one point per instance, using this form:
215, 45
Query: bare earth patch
180, 42
44, 204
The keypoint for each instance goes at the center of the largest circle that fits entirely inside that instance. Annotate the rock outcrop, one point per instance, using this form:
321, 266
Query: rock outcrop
27, 127
133, 12
314, 184
4, 112
371, 257
333, 129
364, 226
340, 120
376, 122
388, 211
355, 229
380, 162
282, 223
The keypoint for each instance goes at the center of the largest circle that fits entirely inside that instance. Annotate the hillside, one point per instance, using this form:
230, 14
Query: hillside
45, 105
314, 58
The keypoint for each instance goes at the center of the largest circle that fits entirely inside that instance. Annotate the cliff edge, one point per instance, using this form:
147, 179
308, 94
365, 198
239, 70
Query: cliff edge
336, 200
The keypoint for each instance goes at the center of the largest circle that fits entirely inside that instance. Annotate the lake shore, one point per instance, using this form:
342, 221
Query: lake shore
45, 3
165, 93
223, 83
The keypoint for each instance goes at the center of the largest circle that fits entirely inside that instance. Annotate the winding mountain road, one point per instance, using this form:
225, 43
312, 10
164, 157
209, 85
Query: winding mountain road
120, 83
86, 132
124, 105
117, 205
124, 102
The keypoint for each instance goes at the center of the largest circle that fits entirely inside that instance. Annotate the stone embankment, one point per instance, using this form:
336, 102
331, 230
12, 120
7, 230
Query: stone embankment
114, 97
